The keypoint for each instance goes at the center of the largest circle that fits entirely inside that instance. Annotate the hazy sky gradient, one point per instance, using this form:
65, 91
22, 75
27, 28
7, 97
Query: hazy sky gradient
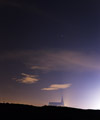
49, 49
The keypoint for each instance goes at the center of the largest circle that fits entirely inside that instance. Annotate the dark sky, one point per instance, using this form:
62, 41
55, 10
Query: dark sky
49, 49
24, 23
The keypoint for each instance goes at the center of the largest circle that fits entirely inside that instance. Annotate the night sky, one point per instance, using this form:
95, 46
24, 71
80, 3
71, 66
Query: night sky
50, 49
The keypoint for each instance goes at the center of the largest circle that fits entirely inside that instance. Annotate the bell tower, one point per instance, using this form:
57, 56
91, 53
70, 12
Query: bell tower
62, 101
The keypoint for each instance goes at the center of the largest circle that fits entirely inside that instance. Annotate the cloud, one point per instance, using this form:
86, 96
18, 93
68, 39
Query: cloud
49, 60
28, 5
28, 79
14, 3
57, 87
64, 60
43, 61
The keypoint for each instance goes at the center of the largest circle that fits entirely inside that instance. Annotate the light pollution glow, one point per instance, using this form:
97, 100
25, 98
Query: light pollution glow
80, 67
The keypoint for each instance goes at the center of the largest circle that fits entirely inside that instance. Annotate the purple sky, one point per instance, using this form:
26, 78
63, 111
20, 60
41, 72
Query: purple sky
49, 49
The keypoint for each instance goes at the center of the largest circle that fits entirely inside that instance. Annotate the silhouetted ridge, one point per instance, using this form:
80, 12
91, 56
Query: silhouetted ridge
50, 111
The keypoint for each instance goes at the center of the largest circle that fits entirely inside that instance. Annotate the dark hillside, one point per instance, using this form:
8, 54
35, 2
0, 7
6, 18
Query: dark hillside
48, 112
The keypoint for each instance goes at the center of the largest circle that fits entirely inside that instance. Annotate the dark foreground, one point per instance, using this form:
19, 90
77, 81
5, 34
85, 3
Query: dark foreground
17, 111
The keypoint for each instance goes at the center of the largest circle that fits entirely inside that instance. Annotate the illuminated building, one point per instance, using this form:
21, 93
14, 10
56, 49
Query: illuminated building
57, 103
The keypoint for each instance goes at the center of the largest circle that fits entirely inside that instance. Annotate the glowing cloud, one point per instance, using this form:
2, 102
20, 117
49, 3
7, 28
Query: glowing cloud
61, 60
57, 87
28, 79
64, 60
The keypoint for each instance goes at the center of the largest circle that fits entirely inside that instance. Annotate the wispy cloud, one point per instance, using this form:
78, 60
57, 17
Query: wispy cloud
29, 6
14, 3
64, 60
27, 79
46, 61
57, 87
